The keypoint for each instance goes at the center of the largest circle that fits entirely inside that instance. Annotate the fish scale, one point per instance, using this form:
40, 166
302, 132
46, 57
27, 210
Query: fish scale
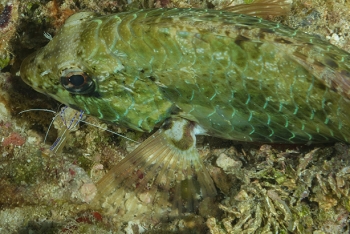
197, 48
256, 57
210, 72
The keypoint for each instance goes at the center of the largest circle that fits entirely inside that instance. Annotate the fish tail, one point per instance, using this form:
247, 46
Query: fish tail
164, 169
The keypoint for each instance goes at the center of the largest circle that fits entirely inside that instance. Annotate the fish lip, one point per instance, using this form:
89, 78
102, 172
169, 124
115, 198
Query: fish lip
26, 67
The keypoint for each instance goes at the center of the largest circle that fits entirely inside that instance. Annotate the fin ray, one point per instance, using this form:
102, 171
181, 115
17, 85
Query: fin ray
167, 166
262, 8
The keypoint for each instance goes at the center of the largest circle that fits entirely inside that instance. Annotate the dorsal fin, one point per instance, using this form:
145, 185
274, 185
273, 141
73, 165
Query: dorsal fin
262, 8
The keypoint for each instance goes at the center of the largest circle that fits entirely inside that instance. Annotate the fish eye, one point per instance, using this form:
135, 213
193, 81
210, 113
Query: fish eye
77, 82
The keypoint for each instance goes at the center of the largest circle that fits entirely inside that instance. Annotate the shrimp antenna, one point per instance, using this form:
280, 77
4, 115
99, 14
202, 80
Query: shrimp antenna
110, 131
47, 132
58, 142
45, 110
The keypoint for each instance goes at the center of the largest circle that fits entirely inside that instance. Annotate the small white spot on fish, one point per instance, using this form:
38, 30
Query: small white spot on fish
200, 51
45, 72
198, 130
128, 89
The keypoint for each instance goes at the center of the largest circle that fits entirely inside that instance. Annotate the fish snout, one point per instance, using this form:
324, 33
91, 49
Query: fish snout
27, 68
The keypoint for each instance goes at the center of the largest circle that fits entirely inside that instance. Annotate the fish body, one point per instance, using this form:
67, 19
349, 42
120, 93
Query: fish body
237, 76
210, 72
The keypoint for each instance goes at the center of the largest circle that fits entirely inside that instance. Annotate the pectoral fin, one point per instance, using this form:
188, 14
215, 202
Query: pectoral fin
166, 166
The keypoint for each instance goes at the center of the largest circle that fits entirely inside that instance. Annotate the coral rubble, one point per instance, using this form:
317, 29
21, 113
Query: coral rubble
262, 188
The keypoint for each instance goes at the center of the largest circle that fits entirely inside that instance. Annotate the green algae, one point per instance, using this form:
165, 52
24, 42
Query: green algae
27, 172
4, 61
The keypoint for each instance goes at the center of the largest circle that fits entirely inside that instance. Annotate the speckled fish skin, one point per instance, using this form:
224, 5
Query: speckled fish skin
237, 76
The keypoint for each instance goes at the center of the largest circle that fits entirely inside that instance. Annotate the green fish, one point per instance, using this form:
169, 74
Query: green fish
193, 72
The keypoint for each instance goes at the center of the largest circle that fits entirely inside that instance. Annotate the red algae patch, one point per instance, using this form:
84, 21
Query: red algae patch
14, 139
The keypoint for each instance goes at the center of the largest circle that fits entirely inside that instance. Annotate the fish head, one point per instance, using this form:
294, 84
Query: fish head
55, 69
60, 70
77, 69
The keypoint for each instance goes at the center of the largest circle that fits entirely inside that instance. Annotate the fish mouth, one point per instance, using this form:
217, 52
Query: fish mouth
25, 69
29, 70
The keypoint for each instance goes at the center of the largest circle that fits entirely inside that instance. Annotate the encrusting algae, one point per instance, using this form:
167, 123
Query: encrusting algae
173, 83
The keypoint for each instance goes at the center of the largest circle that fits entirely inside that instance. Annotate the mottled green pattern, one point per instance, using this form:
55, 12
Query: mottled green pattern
239, 77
